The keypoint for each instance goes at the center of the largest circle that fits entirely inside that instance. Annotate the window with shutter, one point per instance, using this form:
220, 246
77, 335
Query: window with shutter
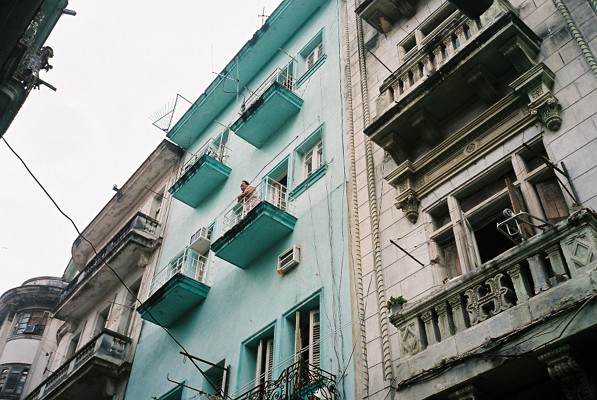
31, 323
314, 338
13, 378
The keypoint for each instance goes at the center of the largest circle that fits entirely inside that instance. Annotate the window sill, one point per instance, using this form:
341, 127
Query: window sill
310, 71
307, 183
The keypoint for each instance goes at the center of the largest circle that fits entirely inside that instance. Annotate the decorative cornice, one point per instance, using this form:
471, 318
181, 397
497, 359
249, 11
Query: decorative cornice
576, 34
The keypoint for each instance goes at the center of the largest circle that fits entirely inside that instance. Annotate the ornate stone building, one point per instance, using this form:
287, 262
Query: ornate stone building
27, 334
472, 135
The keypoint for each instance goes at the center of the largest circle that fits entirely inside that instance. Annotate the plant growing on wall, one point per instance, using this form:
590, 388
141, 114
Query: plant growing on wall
395, 301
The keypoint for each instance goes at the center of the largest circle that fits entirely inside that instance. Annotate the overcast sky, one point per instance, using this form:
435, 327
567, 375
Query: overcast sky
115, 64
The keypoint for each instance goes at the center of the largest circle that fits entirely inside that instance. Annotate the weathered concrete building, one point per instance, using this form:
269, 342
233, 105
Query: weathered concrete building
27, 334
473, 135
97, 340
253, 289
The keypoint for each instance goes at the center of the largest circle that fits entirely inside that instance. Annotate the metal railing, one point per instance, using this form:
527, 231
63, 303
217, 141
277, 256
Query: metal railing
215, 148
188, 263
268, 190
107, 345
140, 223
283, 76
299, 381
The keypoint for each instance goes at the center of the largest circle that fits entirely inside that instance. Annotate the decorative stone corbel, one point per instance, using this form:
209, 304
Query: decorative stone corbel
409, 203
536, 83
564, 368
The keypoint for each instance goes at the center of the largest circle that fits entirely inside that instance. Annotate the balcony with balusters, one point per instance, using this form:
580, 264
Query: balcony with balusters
128, 246
452, 82
254, 224
89, 372
268, 107
203, 173
181, 285
507, 315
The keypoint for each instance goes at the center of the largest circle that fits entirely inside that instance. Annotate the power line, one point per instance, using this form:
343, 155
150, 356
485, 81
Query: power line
103, 260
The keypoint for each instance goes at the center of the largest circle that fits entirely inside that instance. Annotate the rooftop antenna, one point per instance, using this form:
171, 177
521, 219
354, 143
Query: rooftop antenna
164, 117
263, 16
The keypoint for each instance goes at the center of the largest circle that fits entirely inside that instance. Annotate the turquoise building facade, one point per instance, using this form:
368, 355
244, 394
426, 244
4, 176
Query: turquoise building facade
251, 298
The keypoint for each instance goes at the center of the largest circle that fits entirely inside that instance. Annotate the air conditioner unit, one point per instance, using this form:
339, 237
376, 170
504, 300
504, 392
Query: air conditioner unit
200, 240
289, 259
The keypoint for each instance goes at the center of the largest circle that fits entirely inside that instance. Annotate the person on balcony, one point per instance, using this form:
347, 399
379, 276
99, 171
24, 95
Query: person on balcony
248, 197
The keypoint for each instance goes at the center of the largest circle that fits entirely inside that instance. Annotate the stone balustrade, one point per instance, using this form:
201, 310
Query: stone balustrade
561, 253
108, 346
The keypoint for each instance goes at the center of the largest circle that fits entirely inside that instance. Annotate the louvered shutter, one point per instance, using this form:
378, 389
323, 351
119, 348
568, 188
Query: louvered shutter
314, 338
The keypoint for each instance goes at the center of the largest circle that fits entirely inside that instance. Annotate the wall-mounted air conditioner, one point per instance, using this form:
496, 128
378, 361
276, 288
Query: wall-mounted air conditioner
200, 240
289, 259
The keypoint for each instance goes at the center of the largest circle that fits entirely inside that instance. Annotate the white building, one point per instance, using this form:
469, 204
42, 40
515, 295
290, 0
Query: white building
458, 115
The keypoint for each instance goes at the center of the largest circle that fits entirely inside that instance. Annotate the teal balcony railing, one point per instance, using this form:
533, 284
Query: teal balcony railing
176, 288
268, 107
252, 226
203, 173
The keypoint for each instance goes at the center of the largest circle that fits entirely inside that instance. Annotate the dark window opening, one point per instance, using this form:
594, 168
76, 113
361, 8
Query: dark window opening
490, 242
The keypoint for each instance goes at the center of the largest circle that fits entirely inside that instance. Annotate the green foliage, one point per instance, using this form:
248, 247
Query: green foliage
395, 300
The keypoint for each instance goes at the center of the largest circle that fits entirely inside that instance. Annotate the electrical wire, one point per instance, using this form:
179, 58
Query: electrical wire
128, 289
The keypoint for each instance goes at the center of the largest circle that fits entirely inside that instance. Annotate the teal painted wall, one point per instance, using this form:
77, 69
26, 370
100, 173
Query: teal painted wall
241, 304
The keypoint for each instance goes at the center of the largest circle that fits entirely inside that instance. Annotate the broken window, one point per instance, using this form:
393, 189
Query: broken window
32, 322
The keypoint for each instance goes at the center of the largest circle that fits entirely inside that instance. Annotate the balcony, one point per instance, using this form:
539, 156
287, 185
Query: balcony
178, 287
252, 226
534, 297
202, 174
449, 103
126, 249
301, 381
87, 374
268, 108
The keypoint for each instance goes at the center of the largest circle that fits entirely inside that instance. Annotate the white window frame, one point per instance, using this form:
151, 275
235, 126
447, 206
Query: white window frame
313, 159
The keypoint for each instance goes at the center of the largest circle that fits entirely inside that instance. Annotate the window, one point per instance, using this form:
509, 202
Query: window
313, 159
463, 229
275, 186
30, 323
307, 336
13, 378
310, 162
264, 361
314, 55
102, 320
311, 57
217, 377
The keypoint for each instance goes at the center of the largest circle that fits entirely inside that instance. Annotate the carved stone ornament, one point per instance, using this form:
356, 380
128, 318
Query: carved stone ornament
537, 84
410, 206
550, 114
